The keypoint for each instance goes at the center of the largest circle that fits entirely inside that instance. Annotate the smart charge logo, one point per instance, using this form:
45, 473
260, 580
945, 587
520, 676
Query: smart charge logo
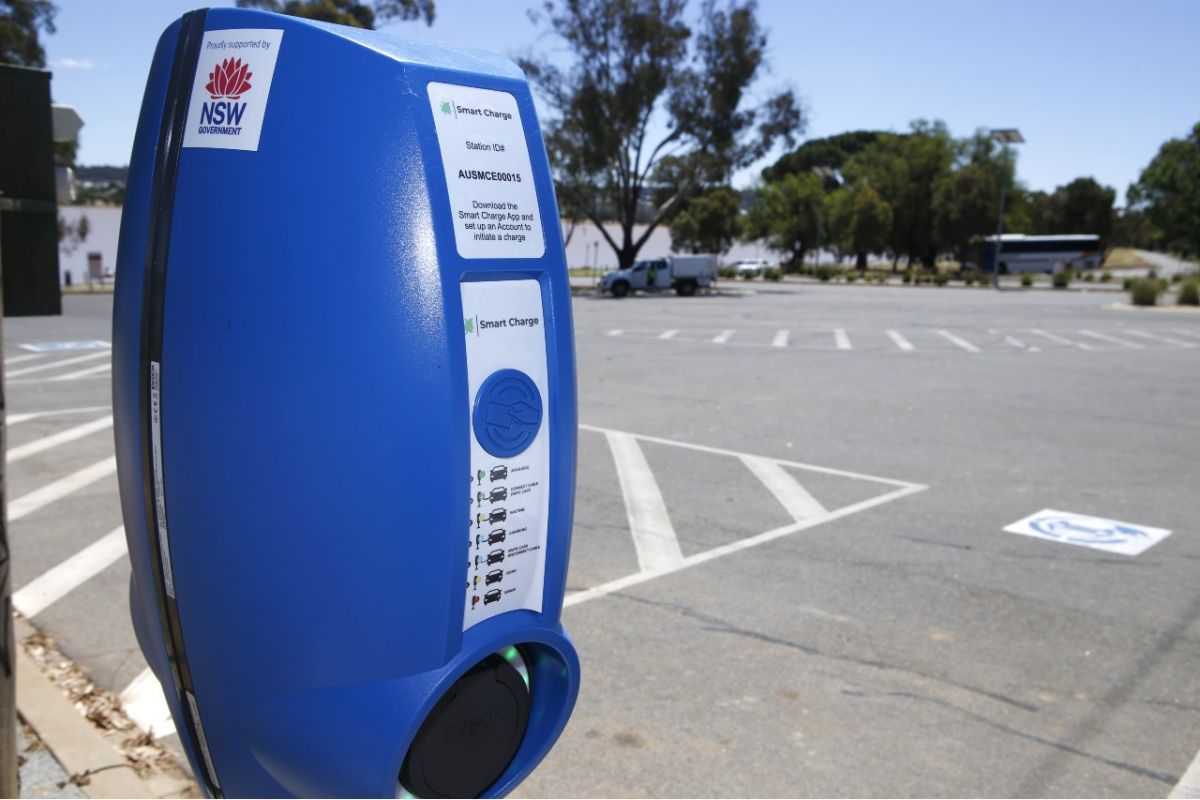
228, 81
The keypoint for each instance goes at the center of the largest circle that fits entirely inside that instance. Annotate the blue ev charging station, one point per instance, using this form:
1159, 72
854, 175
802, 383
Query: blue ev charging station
344, 388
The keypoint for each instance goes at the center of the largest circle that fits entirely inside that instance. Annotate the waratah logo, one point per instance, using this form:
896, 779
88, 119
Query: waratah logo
230, 78
228, 81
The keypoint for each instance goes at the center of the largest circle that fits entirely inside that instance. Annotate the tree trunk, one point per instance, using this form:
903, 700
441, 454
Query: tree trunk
626, 256
797, 263
570, 232
861, 262
895, 262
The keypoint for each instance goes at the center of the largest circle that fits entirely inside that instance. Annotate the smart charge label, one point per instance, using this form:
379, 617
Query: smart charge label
488, 173
505, 334
233, 82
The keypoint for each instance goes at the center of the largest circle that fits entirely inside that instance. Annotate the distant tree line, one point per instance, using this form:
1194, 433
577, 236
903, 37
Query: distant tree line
923, 195
1164, 204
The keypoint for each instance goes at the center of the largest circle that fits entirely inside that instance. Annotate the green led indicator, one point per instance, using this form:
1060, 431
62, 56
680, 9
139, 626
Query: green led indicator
513, 656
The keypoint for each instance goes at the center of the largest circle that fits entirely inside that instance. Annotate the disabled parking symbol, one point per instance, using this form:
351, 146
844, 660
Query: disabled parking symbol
1098, 533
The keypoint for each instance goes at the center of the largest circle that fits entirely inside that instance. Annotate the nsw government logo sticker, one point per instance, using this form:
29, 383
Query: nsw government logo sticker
233, 82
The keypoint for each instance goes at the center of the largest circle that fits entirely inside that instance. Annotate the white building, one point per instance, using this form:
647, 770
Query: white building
104, 227
587, 248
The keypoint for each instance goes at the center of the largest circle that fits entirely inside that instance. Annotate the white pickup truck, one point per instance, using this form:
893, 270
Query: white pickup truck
684, 274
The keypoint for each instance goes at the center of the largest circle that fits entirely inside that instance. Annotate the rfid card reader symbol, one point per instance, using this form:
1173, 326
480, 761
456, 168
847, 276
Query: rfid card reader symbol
508, 413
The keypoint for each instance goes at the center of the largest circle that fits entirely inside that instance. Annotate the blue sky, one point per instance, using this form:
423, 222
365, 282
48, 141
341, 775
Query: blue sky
1096, 87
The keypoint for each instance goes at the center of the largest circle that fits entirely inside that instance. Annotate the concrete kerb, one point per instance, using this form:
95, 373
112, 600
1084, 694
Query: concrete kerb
91, 759
1156, 309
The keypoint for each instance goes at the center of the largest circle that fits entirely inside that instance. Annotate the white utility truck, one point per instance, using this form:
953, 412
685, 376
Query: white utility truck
684, 274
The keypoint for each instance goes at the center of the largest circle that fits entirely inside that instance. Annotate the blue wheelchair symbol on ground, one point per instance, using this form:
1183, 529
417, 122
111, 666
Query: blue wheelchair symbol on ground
1094, 531
1113, 536
508, 413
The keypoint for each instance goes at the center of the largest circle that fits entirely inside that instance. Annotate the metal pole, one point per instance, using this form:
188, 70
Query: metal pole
820, 213
8, 652
1000, 217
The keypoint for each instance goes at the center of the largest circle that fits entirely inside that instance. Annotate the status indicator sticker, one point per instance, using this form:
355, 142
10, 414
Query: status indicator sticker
505, 335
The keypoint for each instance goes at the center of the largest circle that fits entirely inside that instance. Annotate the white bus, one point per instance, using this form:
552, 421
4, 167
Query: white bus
1053, 254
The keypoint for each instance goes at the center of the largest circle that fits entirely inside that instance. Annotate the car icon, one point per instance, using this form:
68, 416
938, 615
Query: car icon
498, 494
497, 515
497, 536
495, 576
495, 557
492, 597
499, 473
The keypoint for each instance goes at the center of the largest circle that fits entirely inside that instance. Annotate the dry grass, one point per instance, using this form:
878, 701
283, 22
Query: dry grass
1125, 258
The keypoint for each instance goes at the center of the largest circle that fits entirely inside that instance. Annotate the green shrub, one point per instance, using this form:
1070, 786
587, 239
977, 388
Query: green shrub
825, 273
1027, 280
1127, 284
907, 277
1177, 277
773, 274
941, 279
969, 279
1189, 293
851, 277
1106, 277
1062, 279
1144, 292
747, 276
726, 272
1088, 277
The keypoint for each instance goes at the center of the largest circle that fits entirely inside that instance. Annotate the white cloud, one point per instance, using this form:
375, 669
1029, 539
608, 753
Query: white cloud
75, 63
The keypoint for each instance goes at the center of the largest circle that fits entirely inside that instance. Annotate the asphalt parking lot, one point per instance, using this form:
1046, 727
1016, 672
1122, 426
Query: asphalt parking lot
837, 609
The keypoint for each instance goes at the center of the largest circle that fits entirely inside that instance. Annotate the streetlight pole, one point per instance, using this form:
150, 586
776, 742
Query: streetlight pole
822, 174
1005, 136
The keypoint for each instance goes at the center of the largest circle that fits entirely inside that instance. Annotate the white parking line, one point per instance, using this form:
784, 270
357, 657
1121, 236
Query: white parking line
17, 419
616, 332
1186, 332
56, 439
57, 582
900, 341
40, 498
841, 339
1167, 339
22, 359
795, 499
720, 451
83, 373
617, 585
1104, 337
723, 337
668, 334
1189, 784
653, 535
27, 381
144, 703
1020, 345
780, 340
66, 362
963, 343
1054, 337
